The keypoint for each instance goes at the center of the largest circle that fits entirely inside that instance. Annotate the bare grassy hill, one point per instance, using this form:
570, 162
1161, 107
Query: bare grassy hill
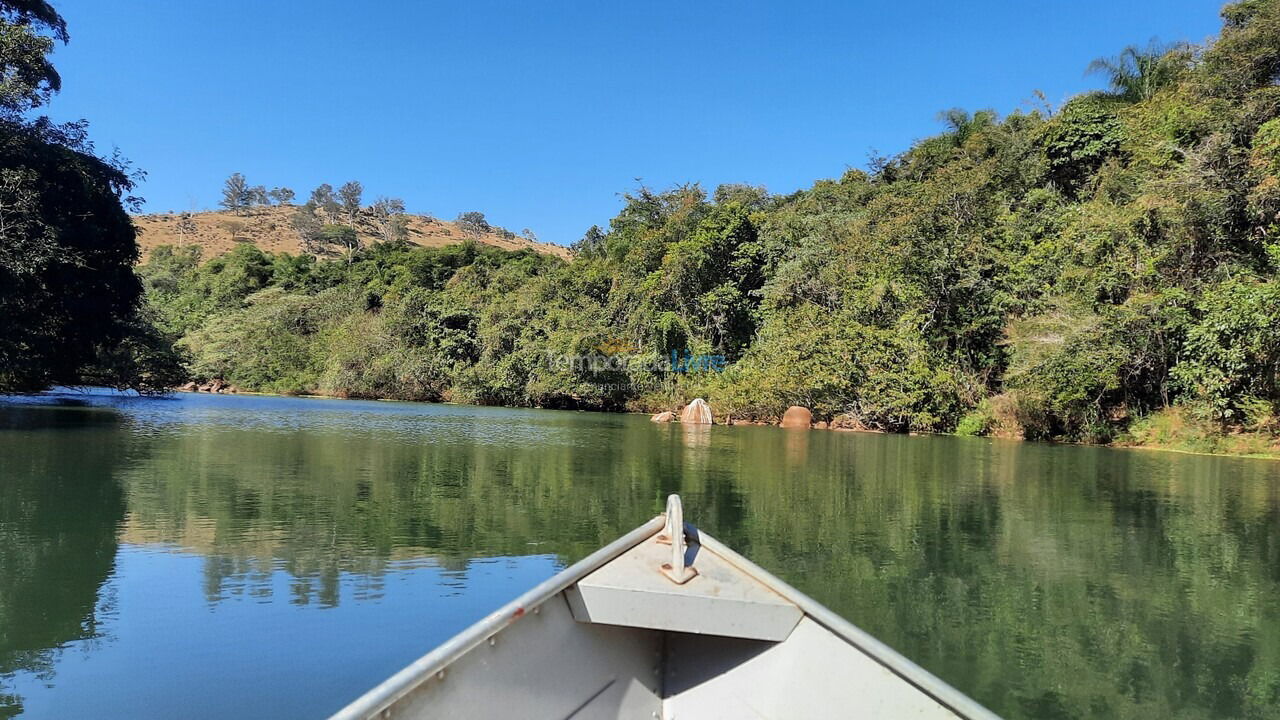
269, 229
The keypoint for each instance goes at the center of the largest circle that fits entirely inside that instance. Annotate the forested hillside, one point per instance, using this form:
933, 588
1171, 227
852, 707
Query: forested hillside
1098, 270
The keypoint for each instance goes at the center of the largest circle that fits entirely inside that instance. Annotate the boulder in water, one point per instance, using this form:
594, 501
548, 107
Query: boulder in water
697, 412
663, 417
797, 417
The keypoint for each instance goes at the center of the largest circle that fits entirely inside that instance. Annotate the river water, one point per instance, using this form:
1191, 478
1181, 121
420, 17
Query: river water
207, 556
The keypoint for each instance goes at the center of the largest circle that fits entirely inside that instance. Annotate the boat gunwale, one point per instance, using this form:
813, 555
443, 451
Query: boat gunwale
890, 659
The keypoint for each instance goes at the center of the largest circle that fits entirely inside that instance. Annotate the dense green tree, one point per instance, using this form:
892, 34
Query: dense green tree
473, 223
1082, 136
1232, 354
67, 291
338, 239
66, 254
591, 243
28, 29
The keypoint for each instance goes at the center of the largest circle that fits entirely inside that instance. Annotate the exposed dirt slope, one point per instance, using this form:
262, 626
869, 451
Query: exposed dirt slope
269, 229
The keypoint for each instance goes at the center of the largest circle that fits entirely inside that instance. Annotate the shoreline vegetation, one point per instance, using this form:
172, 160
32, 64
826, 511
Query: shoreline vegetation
1104, 272
1164, 431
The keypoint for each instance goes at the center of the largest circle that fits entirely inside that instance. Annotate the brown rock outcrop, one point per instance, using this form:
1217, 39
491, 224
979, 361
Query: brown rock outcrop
797, 417
697, 412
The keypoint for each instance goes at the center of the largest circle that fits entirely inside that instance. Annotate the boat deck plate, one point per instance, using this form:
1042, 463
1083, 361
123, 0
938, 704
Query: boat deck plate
721, 599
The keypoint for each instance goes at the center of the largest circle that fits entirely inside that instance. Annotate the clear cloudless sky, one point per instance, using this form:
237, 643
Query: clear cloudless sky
539, 113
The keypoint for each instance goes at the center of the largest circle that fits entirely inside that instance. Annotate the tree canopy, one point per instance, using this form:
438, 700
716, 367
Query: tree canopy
68, 292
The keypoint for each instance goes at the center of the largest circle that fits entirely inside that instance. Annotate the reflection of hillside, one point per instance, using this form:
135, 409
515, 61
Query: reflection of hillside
1147, 581
1046, 581
59, 509
319, 504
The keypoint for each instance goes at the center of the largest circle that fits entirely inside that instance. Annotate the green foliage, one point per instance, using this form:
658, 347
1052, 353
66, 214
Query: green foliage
339, 239
68, 295
28, 29
144, 359
1042, 275
66, 254
1079, 139
1247, 55
1137, 74
473, 223
1232, 353
975, 423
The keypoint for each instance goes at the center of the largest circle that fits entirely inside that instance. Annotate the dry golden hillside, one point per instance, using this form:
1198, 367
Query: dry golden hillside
269, 229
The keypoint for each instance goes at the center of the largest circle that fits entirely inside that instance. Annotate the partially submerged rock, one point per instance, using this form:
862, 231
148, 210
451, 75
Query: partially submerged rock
663, 417
797, 417
697, 412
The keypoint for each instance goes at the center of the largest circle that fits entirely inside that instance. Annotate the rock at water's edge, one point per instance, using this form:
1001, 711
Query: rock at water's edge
663, 417
697, 412
797, 417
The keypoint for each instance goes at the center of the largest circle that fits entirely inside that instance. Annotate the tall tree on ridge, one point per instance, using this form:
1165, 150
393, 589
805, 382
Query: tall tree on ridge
351, 195
281, 195
323, 200
473, 223
236, 194
388, 215
1137, 73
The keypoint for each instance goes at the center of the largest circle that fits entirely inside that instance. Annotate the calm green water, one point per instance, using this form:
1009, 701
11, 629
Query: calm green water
209, 556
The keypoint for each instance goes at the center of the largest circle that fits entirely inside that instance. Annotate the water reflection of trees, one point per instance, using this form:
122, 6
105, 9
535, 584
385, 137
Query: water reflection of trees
321, 505
60, 509
1047, 581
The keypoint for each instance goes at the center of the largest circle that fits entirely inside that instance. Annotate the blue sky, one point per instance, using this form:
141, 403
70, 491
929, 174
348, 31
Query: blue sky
540, 113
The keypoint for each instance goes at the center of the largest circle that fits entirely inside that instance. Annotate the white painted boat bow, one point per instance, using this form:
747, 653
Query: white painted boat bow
666, 623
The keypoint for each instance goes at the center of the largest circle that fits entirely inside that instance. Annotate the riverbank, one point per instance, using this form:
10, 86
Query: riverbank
1169, 430
1174, 429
